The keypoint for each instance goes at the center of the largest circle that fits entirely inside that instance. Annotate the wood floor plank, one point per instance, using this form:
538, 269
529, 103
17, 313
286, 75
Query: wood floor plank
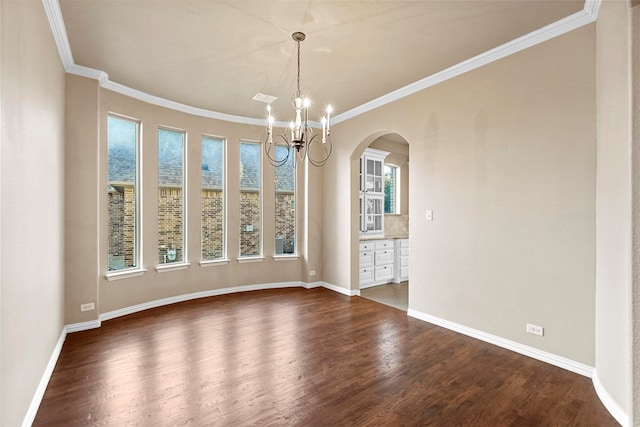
302, 358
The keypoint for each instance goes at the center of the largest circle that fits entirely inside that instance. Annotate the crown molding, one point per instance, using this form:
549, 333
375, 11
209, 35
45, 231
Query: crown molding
533, 38
591, 7
163, 102
572, 22
54, 14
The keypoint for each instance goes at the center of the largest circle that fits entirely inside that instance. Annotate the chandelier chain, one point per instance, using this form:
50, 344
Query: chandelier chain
298, 78
281, 149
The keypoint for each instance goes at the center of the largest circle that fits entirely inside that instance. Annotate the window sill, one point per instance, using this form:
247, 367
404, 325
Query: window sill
286, 257
119, 275
214, 262
172, 267
250, 259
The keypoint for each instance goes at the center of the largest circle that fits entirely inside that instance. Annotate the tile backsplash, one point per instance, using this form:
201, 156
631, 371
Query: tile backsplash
396, 224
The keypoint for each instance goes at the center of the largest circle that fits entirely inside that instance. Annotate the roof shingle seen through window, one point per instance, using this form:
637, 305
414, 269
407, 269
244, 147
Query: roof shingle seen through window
170, 158
249, 166
212, 166
122, 161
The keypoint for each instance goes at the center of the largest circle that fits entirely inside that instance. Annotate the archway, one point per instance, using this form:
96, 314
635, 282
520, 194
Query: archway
392, 288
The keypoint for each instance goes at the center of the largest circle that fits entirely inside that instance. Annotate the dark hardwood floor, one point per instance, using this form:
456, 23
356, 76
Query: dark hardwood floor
303, 358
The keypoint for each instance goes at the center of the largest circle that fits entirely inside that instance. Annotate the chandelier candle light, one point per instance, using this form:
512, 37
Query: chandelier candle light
302, 135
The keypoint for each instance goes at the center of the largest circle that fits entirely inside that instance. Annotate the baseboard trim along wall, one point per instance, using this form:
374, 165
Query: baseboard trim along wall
559, 361
196, 295
44, 381
614, 409
92, 324
535, 353
340, 289
562, 362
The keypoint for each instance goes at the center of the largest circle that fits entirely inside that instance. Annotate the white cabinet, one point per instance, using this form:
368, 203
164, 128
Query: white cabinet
372, 192
367, 261
374, 214
377, 258
401, 260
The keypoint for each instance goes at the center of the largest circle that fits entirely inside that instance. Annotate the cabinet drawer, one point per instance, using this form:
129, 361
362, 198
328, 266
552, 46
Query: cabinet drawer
404, 251
384, 257
384, 244
404, 261
366, 259
366, 275
404, 243
384, 272
366, 246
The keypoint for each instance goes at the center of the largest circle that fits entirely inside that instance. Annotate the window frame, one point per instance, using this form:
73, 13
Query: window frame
171, 266
396, 189
294, 254
138, 245
224, 259
260, 256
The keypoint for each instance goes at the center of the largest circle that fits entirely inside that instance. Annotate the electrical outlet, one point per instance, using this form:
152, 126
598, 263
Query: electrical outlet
534, 329
87, 307
312, 273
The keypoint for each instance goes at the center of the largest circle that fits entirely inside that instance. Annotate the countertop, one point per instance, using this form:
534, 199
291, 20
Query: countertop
385, 237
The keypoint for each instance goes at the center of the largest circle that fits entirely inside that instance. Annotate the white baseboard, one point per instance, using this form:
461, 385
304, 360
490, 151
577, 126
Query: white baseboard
195, 295
83, 326
312, 285
76, 327
44, 381
562, 362
92, 324
612, 406
616, 411
553, 359
340, 289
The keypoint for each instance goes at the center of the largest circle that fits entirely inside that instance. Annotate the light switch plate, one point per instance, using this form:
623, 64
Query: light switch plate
429, 215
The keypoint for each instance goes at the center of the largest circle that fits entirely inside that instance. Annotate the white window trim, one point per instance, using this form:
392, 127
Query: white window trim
138, 246
260, 256
248, 259
185, 205
165, 268
296, 210
287, 257
214, 262
224, 259
396, 189
124, 274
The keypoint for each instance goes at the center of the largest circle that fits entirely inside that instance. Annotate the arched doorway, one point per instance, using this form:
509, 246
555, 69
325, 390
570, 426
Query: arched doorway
378, 274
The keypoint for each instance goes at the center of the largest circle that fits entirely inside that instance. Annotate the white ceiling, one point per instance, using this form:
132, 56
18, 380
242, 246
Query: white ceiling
216, 55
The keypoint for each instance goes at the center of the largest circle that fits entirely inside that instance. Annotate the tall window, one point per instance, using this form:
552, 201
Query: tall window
171, 206
250, 201
212, 196
391, 180
285, 203
123, 136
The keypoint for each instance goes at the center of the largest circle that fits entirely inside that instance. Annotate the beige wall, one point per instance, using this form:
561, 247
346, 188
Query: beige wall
32, 197
505, 157
635, 349
613, 280
87, 263
81, 197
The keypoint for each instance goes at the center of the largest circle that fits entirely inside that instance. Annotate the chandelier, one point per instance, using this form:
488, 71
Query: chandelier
300, 136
